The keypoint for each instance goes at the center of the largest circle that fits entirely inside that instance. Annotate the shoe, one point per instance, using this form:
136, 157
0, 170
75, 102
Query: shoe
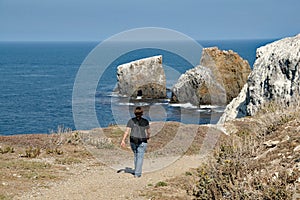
136, 176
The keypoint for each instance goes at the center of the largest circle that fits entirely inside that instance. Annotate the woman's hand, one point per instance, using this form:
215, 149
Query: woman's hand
123, 144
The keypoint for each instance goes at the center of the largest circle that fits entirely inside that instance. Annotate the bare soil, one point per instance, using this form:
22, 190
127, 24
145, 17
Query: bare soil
260, 159
69, 165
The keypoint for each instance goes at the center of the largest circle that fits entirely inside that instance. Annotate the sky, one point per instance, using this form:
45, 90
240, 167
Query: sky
97, 20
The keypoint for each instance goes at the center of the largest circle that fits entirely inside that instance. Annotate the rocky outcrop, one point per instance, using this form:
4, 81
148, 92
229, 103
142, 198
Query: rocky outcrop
229, 69
198, 86
275, 77
217, 80
145, 78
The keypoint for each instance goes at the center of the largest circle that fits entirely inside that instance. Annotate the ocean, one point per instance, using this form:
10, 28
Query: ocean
37, 79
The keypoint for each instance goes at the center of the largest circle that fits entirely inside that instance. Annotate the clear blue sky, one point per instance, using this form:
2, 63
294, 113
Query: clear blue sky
95, 20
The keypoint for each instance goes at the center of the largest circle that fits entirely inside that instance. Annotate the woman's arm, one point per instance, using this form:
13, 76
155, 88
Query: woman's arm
126, 133
148, 133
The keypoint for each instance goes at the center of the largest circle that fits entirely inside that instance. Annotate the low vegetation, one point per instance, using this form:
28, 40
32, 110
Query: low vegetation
259, 160
34, 160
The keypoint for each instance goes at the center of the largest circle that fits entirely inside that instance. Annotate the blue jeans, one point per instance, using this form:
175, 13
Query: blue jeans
138, 150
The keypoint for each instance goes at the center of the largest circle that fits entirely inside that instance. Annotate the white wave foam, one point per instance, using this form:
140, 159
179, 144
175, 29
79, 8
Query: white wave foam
183, 105
208, 106
114, 94
219, 110
201, 110
126, 104
161, 103
133, 104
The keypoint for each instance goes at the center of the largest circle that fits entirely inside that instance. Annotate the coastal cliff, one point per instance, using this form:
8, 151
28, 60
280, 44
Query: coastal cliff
275, 78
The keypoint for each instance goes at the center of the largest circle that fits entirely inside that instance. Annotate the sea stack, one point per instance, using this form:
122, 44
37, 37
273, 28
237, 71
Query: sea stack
198, 87
144, 78
229, 69
216, 81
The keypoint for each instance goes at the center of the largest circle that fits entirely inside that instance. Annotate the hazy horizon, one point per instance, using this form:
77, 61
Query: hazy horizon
92, 20
94, 41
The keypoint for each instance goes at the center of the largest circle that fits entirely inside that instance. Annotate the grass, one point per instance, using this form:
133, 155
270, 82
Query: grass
68, 161
21, 164
33, 160
4, 197
161, 184
7, 149
238, 169
18, 174
46, 157
241, 166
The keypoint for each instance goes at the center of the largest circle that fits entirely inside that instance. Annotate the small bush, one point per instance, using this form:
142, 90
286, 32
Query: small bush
161, 184
188, 174
54, 151
67, 161
100, 143
32, 152
7, 149
3, 197
75, 138
60, 136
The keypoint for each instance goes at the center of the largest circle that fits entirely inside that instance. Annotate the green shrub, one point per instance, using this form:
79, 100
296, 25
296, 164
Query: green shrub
32, 152
188, 174
4, 197
7, 149
54, 151
161, 184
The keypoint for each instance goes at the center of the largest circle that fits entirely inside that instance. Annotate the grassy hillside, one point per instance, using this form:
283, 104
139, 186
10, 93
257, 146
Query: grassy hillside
259, 160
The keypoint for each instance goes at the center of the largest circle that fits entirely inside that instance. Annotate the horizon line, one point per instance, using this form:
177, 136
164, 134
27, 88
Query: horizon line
237, 39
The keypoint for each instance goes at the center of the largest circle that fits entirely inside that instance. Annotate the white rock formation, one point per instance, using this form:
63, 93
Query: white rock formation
199, 87
275, 77
144, 77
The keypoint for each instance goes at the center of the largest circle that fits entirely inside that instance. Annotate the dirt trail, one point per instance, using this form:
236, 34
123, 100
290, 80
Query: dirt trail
101, 182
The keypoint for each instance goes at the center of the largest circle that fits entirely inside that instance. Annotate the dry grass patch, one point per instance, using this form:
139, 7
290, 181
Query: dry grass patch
165, 134
35, 160
259, 160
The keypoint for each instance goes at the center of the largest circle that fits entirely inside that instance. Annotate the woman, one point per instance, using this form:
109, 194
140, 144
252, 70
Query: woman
139, 130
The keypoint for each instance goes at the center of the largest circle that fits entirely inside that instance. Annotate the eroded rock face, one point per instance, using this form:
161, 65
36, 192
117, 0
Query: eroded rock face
144, 77
275, 77
229, 69
198, 86
217, 80
276, 73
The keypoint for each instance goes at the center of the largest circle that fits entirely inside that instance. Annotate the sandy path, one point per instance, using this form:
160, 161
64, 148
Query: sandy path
101, 182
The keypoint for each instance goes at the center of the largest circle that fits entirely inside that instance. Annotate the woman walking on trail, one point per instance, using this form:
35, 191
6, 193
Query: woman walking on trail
139, 130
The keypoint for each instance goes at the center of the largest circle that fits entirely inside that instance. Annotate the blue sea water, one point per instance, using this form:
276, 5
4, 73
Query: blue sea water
37, 78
